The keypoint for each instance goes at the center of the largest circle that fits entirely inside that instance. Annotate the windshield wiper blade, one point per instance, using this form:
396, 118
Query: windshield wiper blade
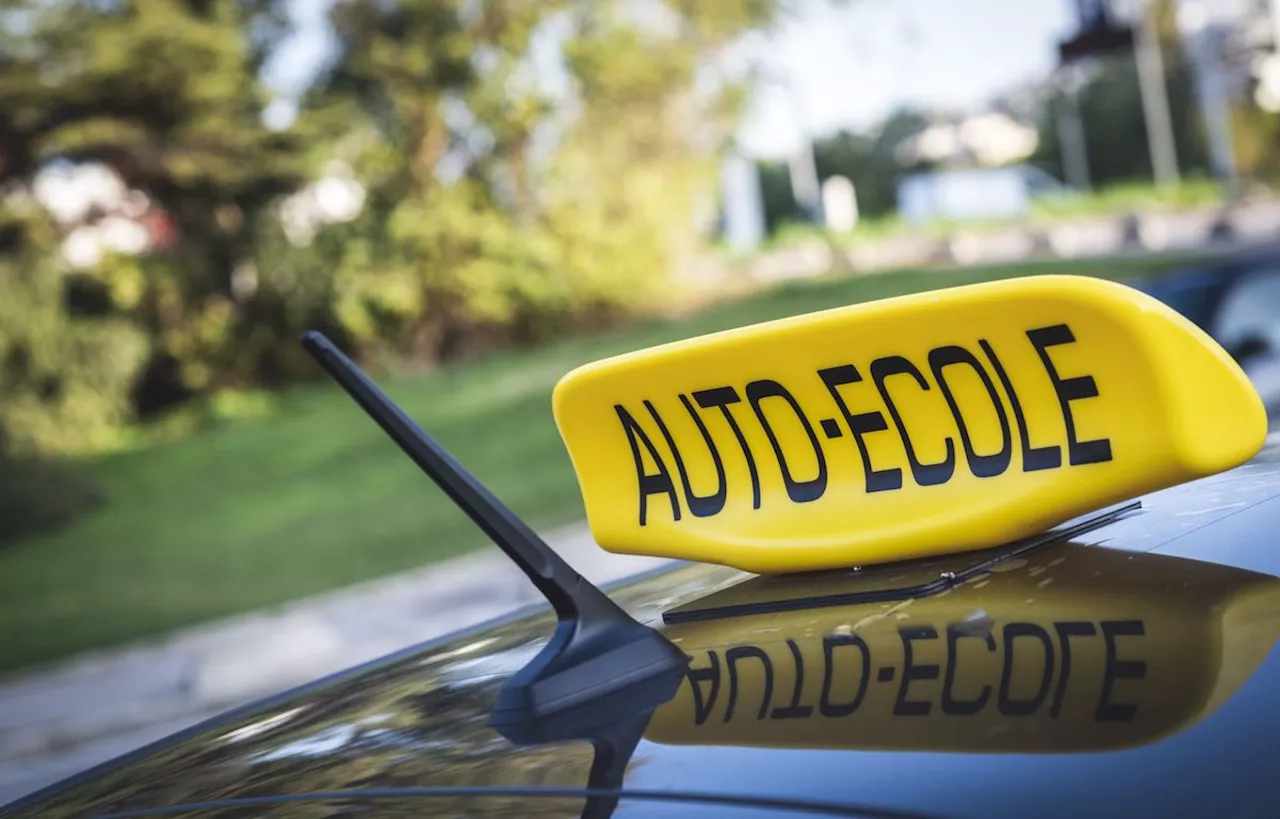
599, 659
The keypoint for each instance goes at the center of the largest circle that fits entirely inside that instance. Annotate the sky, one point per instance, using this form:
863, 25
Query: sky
847, 64
851, 65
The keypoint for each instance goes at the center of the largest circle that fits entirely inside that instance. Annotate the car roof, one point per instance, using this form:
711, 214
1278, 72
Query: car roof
1174, 715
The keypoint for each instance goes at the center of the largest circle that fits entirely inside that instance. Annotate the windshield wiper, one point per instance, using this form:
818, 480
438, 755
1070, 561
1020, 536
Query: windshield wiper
600, 662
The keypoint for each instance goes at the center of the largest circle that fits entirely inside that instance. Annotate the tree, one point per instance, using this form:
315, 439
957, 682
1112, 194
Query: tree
869, 160
64, 379
165, 93
866, 159
526, 167
1112, 115
530, 165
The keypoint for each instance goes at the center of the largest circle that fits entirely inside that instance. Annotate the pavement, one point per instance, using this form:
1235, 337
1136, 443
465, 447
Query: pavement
64, 718
1251, 224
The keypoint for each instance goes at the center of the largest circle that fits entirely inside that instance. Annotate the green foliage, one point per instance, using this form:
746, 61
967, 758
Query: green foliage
1111, 111
777, 197
1256, 134
1112, 115
64, 379
165, 92
503, 208
1195, 192
528, 168
866, 160
64, 384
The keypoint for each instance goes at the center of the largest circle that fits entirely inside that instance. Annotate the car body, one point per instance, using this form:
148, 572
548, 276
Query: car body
1116, 658
1236, 300
398, 729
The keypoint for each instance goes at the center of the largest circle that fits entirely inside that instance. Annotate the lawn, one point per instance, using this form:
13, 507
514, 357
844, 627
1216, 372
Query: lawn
313, 497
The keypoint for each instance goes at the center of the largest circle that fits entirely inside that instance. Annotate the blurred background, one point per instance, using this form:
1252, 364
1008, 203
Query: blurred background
472, 197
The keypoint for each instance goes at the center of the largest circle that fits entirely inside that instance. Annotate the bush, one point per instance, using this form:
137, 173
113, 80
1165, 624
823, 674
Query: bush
64, 379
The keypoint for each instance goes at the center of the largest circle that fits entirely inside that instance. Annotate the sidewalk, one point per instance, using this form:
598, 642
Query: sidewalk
91, 708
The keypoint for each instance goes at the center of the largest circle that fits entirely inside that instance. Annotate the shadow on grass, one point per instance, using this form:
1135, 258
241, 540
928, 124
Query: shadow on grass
40, 496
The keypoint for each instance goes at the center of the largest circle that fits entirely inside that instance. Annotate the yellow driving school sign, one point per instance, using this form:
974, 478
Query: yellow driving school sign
926, 424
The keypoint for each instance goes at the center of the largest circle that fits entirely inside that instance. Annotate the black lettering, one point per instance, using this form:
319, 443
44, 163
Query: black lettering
829, 645
1007, 704
924, 474
982, 466
878, 480
1066, 630
795, 710
1118, 669
659, 483
910, 671
1068, 390
731, 659
798, 491
1033, 458
711, 674
722, 397
701, 506
951, 705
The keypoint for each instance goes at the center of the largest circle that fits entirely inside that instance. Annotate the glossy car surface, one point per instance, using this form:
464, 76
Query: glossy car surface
1154, 691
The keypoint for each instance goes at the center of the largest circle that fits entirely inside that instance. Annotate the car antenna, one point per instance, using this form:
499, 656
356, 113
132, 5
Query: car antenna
597, 652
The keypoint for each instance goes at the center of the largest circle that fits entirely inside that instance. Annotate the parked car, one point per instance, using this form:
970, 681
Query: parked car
1236, 300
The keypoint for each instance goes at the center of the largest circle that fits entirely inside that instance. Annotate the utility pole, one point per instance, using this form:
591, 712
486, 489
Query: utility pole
803, 165
1267, 67
1155, 98
1071, 133
1275, 26
1207, 43
804, 181
1100, 33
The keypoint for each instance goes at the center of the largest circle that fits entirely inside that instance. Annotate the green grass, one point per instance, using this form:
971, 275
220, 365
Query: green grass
263, 510
1132, 197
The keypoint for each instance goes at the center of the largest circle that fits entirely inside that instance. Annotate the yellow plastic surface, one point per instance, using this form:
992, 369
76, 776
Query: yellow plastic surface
926, 424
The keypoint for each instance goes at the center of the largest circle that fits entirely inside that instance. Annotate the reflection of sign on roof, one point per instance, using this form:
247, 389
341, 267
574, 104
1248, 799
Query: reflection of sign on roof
905, 428
1079, 648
